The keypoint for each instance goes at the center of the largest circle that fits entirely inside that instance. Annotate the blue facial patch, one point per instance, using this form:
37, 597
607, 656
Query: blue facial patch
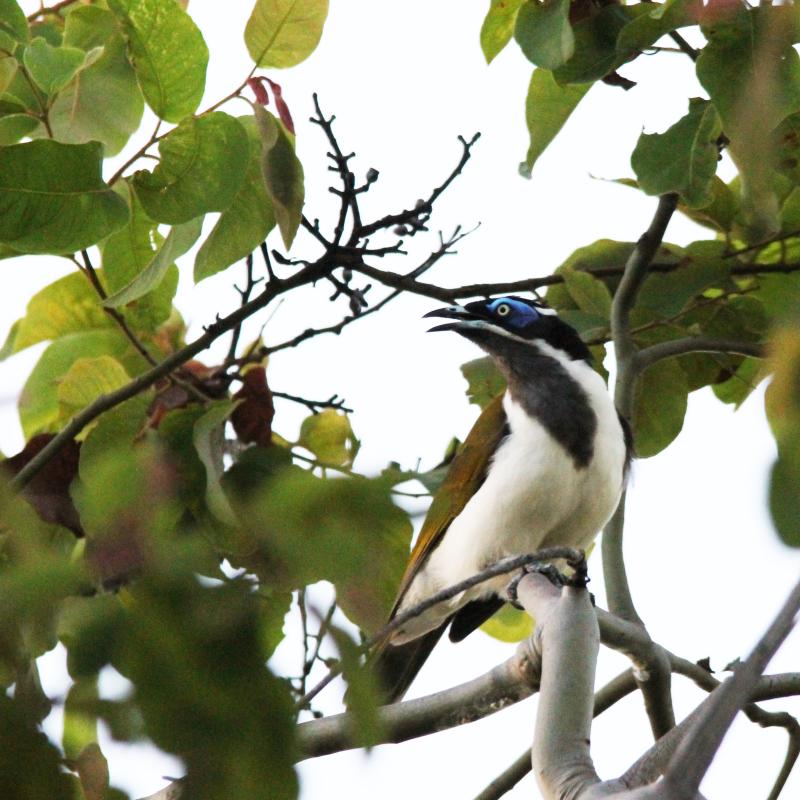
513, 312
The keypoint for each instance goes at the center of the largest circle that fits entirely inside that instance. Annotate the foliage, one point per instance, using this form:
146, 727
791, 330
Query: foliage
168, 536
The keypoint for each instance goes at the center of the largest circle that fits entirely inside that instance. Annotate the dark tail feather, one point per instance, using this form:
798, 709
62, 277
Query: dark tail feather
398, 665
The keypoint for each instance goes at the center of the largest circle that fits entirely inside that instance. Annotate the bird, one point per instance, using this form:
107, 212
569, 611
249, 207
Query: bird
544, 465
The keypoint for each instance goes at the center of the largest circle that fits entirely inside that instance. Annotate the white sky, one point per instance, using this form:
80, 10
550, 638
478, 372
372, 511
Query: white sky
706, 568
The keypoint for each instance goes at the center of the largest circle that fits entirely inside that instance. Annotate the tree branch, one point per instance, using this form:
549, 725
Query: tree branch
624, 299
691, 760
656, 687
695, 344
161, 370
569, 635
512, 681
502, 567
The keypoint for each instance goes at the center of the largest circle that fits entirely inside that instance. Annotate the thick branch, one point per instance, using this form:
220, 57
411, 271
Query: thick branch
570, 641
692, 758
508, 683
625, 298
617, 688
656, 687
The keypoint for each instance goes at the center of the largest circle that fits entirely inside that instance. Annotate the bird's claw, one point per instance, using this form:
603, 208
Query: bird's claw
548, 570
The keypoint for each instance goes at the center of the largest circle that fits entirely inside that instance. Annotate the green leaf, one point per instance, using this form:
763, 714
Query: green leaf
30, 766
667, 293
740, 385
498, 27
509, 624
647, 28
127, 254
209, 440
68, 305
176, 434
116, 429
783, 413
12, 20
38, 403
752, 75
282, 33
784, 495
547, 107
335, 529
544, 33
245, 223
203, 163
14, 126
329, 436
684, 158
283, 174
602, 254
589, 293
86, 380
105, 104
720, 213
52, 68
80, 727
179, 240
659, 407
53, 197
732, 63
780, 295
484, 381
596, 44
274, 606
168, 53
194, 654
363, 694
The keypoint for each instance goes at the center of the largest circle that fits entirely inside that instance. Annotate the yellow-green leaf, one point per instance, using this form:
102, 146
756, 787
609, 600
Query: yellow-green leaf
68, 305
283, 174
282, 33
509, 624
498, 27
329, 436
87, 379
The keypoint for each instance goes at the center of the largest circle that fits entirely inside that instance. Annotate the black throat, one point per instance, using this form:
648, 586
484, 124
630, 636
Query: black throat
546, 391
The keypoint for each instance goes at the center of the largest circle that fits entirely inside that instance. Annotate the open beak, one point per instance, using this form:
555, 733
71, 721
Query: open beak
456, 313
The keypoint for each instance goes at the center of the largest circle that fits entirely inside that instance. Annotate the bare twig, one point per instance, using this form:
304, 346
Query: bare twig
88, 269
56, 8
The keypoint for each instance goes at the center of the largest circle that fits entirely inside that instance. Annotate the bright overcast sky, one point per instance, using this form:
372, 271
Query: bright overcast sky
707, 571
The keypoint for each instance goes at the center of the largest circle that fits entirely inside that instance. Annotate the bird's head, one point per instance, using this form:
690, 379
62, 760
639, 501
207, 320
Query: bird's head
500, 325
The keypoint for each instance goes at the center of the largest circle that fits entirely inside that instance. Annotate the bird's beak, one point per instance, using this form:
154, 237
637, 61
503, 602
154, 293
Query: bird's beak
457, 313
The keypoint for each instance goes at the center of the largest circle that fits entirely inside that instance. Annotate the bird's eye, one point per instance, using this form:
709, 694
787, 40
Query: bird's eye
503, 310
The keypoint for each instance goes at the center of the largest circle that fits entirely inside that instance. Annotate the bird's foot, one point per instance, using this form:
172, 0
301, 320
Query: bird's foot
548, 570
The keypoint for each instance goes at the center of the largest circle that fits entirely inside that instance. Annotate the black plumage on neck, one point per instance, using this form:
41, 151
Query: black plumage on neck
545, 390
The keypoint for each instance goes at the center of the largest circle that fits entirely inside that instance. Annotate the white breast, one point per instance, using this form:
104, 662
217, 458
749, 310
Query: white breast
533, 497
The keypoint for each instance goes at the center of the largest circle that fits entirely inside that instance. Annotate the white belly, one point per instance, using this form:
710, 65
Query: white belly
533, 497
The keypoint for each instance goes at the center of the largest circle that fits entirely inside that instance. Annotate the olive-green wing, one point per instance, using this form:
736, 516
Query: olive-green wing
467, 472
396, 666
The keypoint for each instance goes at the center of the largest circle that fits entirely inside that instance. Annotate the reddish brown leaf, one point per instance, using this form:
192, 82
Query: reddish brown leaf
280, 104
168, 398
252, 418
48, 492
259, 90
